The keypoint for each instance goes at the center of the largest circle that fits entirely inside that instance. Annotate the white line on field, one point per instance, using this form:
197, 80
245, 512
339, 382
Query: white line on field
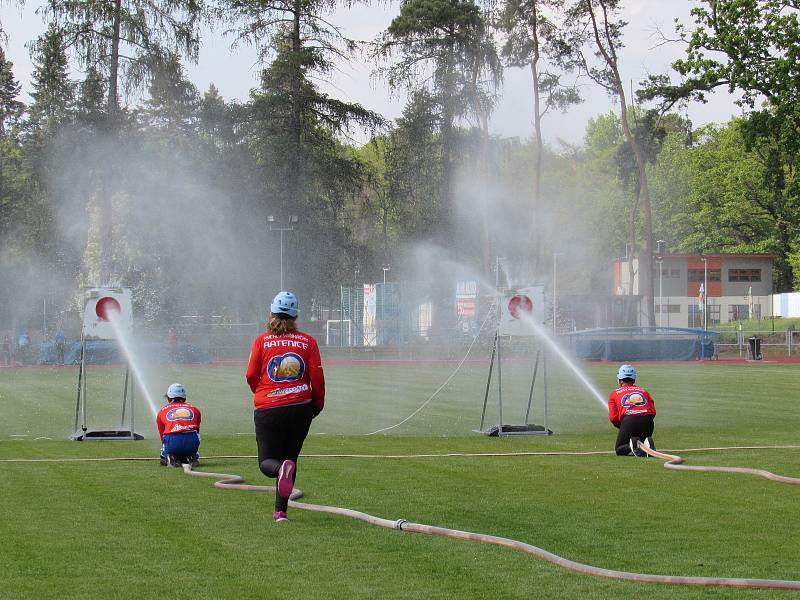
393, 456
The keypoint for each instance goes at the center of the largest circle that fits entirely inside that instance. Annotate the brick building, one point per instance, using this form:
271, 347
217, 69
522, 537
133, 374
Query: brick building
737, 286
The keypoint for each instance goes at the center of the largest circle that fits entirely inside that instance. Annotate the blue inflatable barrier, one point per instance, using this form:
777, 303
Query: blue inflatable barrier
643, 343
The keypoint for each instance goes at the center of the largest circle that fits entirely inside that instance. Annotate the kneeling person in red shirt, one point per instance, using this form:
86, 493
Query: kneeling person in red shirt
179, 427
631, 410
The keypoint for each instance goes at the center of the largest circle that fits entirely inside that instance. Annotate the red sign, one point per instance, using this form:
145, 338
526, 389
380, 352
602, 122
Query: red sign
465, 307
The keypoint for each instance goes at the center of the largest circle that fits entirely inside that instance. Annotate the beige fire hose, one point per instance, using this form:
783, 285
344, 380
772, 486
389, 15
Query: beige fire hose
235, 482
676, 462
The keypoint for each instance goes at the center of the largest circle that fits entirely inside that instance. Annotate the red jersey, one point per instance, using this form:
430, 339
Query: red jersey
177, 417
286, 369
629, 400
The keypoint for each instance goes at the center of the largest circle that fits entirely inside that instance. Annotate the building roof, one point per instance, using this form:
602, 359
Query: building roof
714, 255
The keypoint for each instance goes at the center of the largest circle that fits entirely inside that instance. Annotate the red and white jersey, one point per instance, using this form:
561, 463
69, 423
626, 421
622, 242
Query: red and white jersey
286, 369
629, 400
177, 417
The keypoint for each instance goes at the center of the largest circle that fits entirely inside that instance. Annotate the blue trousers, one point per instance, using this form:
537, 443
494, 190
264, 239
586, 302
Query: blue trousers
180, 444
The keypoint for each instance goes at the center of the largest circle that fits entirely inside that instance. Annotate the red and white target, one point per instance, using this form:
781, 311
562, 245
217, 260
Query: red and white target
520, 306
521, 311
102, 305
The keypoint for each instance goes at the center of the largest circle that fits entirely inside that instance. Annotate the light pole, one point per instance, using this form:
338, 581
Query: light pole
386, 268
705, 293
293, 220
661, 246
555, 297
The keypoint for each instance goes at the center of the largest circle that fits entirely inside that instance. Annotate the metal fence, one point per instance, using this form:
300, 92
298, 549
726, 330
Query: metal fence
772, 343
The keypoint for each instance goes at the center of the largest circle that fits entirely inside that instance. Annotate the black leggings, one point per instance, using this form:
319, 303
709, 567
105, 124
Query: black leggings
640, 426
280, 433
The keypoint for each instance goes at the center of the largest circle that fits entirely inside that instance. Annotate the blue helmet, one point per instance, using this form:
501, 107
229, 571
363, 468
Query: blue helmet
176, 390
626, 372
284, 302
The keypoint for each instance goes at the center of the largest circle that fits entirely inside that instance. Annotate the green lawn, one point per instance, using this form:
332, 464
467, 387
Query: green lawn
131, 529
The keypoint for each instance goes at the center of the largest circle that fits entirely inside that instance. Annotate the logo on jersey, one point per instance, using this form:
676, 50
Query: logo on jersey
634, 400
181, 413
286, 367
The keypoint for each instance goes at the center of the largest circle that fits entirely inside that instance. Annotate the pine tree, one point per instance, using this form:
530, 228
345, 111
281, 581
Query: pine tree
53, 93
10, 108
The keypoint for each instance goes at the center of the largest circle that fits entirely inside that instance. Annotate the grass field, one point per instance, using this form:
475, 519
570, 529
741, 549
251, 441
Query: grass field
131, 529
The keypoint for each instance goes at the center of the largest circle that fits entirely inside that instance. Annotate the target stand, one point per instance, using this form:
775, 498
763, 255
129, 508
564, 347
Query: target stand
512, 322
526, 428
97, 304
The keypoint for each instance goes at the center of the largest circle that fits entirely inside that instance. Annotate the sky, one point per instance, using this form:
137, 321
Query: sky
235, 72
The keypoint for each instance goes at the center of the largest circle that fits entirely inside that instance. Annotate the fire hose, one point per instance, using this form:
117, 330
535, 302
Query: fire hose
676, 462
236, 482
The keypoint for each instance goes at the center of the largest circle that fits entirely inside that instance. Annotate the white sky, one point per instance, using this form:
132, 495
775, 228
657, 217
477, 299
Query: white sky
236, 72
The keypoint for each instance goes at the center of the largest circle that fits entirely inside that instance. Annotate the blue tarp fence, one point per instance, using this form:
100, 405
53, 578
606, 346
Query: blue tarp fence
107, 352
643, 343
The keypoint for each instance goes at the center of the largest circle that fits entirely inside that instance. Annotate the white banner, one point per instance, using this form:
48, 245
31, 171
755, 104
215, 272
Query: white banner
370, 310
521, 310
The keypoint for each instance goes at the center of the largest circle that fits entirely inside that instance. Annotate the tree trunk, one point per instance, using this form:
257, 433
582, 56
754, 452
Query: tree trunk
646, 261
785, 269
107, 209
536, 230
483, 116
296, 124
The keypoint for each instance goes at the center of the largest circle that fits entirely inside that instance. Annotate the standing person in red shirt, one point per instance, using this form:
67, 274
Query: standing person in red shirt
631, 410
178, 425
285, 375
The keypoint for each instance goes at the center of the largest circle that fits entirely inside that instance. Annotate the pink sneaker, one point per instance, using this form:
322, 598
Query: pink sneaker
285, 479
280, 516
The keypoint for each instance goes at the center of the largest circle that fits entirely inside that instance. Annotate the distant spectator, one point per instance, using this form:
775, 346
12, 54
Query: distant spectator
23, 343
7, 350
172, 345
61, 342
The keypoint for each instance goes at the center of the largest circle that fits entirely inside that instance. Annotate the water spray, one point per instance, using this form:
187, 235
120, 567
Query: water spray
126, 345
542, 333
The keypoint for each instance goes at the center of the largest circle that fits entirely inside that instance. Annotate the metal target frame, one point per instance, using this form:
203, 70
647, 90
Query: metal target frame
81, 428
526, 428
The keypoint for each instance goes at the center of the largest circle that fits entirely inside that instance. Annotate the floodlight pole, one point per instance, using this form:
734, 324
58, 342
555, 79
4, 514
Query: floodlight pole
705, 308
555, 297
293, 220
705, 293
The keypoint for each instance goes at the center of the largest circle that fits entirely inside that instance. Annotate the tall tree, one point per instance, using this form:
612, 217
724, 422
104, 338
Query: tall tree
53, 93
293, 129
123, 40
594, 24
750, 46
447, 38
302, 45
10, 108
532, 39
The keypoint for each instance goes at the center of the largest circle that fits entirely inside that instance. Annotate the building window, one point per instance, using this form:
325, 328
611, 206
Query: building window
744, 274
669, 308
698, 275
695, 316
741, 312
